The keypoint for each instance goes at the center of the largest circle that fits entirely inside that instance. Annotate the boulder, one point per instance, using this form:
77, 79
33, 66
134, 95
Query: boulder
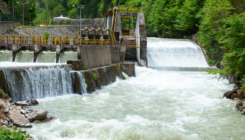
228, 94
4, 106
48, 118
18, 120
32, 102
40, 115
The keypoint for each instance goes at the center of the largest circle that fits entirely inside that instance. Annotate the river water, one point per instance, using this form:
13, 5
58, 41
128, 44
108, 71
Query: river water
154, 105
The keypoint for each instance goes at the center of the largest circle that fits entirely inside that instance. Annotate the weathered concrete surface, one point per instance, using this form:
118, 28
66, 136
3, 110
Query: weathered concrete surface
77, 64
96, 56
4, 26
104, 76
128, 68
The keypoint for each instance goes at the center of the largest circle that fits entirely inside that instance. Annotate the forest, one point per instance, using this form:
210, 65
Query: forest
219, 24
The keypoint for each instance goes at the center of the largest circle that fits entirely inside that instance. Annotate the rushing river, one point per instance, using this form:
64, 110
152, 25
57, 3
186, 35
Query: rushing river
154, 105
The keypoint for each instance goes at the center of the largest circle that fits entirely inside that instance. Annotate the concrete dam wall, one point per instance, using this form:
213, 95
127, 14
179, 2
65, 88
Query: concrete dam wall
32, 82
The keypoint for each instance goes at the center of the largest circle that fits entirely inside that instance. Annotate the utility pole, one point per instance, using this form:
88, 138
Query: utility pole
80, 6
23, 10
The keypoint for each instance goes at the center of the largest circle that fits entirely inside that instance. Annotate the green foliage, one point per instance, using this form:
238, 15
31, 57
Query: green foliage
85, 67
46, 33
15, 135
1, 90
94, 76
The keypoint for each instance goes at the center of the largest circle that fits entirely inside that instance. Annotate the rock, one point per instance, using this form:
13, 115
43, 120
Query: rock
40, 115
48, 118
4, 107
229, 94
236, 100
32, 102
36, 121
3, 121
18, 119
234, 95
23, 111
240, 94
22, 105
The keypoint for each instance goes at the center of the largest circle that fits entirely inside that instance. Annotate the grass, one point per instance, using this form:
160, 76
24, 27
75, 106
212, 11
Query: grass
15, 135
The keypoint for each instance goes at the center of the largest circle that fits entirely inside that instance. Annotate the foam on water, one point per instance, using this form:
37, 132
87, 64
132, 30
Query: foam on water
25, 56
5, 56
67, 55
46, 57
153, 105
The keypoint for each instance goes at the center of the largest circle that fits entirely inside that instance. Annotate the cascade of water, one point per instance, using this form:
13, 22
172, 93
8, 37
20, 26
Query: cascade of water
46, 57
5, 56
25, 56
67, 55
38, 83
174, 53
83, 85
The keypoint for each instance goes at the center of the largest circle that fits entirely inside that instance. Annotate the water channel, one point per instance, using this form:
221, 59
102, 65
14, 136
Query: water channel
154, 105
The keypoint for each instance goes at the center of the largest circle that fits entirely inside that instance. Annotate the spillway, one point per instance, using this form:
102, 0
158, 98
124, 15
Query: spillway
155, 105
174, 53
25, 56
37, 82
46, 57
67, 55
5, 56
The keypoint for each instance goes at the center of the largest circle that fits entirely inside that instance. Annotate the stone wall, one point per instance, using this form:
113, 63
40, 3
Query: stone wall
4, 26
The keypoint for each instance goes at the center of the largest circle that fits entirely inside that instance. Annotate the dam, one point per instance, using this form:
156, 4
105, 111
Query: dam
172, 98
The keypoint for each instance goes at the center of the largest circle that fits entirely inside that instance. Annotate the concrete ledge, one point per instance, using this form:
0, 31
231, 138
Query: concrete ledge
103, 76
128, 68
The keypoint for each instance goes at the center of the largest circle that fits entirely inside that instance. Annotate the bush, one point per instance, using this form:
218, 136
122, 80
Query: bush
15, 135
85, 68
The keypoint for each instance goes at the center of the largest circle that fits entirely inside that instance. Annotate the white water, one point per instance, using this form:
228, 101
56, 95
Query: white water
155, 105
67, 55
83, 85
32, 83
25, 57
46, 57
5, 56
174, 53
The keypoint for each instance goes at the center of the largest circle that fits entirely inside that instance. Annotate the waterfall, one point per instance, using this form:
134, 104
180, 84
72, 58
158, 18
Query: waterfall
46, 57
174, 53
83, 85
67, 55
25, 56
34, 83
5, 56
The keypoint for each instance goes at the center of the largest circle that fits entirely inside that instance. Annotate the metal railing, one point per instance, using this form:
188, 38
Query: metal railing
128, 44
50, 40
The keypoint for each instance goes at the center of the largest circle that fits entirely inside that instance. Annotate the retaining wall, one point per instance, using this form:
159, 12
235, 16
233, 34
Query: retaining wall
4, 26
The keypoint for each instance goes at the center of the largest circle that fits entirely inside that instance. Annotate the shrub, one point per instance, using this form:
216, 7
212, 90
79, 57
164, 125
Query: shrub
16, 134
85, 67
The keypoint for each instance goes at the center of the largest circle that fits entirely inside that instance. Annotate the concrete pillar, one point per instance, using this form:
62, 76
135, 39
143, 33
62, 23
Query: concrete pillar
37, 50
59, 49
15, 50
